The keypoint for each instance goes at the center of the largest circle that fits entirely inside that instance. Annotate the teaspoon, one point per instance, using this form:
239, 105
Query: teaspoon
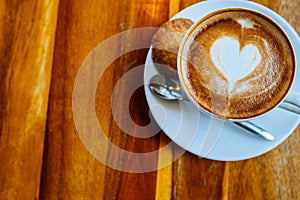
170, 89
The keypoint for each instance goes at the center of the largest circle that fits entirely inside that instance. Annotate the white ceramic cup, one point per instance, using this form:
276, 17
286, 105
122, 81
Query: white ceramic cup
291, 100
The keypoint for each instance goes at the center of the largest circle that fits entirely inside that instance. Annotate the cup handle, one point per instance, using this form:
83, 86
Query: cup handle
292, 102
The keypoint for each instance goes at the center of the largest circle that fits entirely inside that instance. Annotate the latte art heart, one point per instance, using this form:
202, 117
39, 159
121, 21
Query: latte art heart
238, 64
234, 63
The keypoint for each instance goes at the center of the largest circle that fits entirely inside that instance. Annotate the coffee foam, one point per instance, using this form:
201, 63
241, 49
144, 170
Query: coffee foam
232, 61
238, 59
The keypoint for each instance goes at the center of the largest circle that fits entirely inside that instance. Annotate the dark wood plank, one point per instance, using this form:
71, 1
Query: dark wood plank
69, 170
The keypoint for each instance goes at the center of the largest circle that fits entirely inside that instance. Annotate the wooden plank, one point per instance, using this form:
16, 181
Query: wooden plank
271, 176
69, 170
164, 184
275, 174
192, 177
26, 48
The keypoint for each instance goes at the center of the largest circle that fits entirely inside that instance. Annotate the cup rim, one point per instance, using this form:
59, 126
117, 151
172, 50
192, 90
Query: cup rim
277, 23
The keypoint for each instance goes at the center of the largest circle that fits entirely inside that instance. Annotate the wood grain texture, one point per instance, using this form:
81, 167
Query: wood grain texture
275, 174
188, 174
26, 49
69, 170
42, 46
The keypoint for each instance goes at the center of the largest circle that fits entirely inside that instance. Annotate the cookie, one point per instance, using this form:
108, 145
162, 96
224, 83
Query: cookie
166, 42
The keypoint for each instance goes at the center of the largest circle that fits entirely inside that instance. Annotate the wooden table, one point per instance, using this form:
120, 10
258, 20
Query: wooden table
42, 45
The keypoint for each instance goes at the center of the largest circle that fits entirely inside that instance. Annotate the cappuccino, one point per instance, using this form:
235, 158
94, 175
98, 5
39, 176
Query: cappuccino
237, 64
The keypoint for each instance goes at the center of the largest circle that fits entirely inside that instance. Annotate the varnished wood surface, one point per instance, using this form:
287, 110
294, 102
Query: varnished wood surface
26, 50
42, 45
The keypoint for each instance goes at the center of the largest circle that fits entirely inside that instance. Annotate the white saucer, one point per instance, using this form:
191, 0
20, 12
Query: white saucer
178, 119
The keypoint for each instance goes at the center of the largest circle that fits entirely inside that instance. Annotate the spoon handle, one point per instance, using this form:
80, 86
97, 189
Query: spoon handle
256, 130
